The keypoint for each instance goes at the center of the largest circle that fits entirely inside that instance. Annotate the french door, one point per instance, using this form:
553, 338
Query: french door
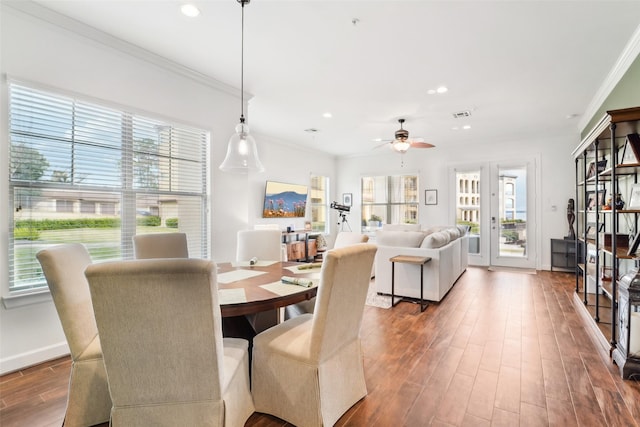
496, 200
512, 214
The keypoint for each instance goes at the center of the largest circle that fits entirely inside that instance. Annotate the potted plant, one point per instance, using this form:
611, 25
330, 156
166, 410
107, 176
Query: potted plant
374, 221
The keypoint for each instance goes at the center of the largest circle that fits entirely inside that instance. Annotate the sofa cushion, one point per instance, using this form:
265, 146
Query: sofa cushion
408, 239
401, 227
452, 232
437, 239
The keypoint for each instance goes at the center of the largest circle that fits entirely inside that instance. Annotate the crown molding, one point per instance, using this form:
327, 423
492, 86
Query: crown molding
50, 16
626, 58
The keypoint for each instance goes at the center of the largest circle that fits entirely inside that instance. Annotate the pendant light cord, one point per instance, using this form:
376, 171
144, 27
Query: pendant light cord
242, 2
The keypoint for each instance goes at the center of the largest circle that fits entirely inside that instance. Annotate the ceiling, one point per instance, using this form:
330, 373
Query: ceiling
523, 69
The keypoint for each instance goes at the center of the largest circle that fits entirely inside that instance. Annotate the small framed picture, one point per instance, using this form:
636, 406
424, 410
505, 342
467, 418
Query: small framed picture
347, 199
633, 246
596, 199
430, 197
634, 197
631, 153
591, 170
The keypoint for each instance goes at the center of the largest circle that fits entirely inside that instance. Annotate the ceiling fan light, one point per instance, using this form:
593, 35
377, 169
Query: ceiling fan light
242, 152
400, 145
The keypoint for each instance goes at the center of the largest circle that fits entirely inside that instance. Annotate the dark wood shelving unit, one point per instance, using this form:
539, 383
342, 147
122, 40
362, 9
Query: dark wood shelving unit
602, 151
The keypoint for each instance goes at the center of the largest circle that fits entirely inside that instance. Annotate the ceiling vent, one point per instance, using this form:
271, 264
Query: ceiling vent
461, 114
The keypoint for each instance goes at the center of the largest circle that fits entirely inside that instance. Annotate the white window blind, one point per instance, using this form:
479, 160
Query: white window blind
82, 172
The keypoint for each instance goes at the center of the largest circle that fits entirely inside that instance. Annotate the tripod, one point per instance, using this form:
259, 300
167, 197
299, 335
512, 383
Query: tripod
343, 221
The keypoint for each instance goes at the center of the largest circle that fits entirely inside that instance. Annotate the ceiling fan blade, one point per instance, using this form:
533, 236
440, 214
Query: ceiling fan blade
421, 144
382, 145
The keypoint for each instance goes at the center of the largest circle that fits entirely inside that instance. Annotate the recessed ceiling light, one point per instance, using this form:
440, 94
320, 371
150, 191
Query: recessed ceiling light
189, 10
327, 115
455, 128
440, 90
465, 127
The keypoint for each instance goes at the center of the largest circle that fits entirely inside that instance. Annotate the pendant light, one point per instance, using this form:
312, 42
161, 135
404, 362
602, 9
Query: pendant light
242, 153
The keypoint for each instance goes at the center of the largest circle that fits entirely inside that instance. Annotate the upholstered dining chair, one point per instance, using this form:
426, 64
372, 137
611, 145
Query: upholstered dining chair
160, 245
166, 359
308, 370
344, 238
88, 401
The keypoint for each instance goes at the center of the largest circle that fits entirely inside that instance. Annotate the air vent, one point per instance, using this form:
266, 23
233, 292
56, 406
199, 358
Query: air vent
461, 114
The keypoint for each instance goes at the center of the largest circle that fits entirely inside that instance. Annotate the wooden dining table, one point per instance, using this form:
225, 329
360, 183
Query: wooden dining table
257, 296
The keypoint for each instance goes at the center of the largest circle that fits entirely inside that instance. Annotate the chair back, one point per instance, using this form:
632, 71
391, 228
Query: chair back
341, 297
346, 238
266, 245
63, 267
161, 333
160, 245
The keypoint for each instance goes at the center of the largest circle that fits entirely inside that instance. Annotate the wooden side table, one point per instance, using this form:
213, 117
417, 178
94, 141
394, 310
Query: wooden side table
408, 259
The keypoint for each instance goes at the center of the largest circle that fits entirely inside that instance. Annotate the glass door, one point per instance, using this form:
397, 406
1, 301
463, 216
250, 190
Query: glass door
512, 207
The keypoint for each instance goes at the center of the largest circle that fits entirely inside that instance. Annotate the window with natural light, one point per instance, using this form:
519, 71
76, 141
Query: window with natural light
88, 173
389, 200
319, 196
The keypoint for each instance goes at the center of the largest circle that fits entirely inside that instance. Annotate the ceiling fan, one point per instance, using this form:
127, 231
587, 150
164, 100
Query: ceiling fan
401, 143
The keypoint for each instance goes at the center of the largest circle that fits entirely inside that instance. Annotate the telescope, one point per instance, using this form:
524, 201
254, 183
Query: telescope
339, 207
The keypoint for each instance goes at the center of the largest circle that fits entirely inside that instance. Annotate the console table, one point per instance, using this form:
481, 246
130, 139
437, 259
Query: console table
300, 245
408, 259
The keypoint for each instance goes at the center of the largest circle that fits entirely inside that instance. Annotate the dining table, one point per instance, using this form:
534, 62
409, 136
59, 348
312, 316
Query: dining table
245, 289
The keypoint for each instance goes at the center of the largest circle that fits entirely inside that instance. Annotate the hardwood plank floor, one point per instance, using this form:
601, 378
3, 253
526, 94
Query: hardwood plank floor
502, 349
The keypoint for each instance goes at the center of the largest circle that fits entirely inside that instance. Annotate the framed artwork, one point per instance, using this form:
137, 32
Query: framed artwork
634, 197
347, 199
633, 245
596, 199
591, 170
631, 153
592, 230
430, 197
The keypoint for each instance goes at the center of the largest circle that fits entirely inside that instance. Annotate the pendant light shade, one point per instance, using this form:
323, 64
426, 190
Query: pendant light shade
242, 153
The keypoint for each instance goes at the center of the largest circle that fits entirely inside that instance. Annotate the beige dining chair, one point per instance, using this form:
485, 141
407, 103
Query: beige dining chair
88, 401
308, 370
167, 361
343, 239
160, 245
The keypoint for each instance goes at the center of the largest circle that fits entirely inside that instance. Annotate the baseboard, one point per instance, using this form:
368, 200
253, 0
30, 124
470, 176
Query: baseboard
34, 357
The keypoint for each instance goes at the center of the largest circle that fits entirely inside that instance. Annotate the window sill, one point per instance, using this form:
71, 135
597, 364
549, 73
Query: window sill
21, 300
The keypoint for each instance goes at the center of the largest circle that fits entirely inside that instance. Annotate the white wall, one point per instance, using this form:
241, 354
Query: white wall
46, 54
556, 172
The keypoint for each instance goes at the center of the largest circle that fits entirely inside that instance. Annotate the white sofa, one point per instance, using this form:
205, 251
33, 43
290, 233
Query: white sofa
448, 247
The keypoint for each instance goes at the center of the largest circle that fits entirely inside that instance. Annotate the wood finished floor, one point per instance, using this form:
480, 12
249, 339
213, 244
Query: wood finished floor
502, 349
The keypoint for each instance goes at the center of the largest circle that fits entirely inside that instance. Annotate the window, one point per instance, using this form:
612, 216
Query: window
88, 173
319, 196
389, 200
